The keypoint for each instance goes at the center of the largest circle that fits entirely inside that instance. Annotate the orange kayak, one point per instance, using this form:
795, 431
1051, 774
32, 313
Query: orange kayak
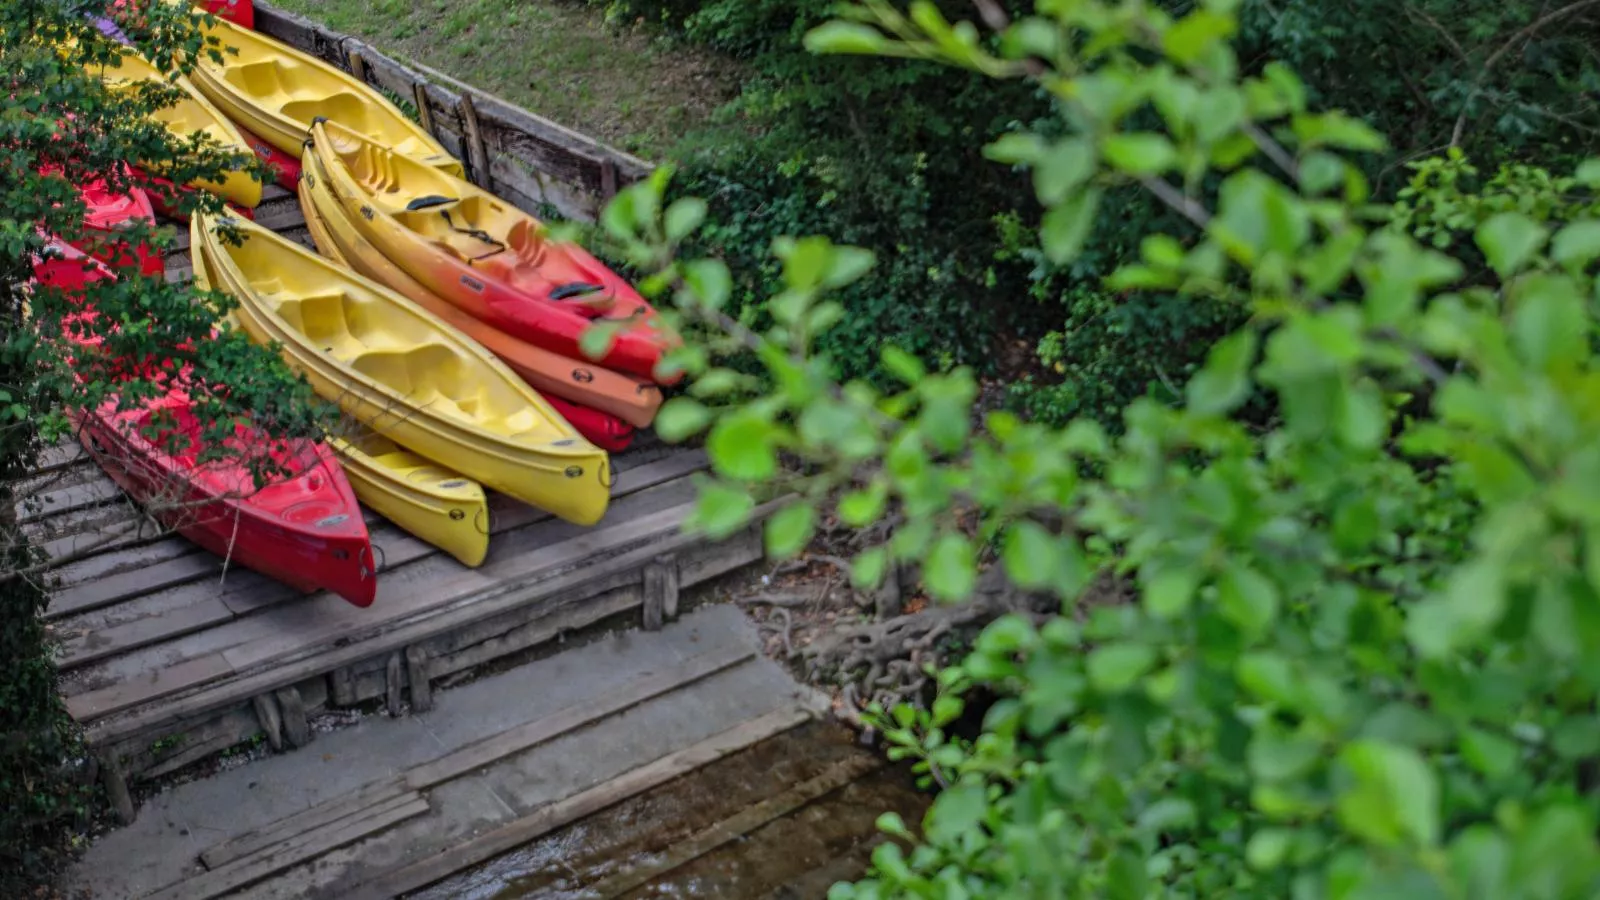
633, 400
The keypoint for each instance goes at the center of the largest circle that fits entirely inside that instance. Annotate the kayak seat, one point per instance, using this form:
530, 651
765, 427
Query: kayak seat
416, 373
346, 108
261, 80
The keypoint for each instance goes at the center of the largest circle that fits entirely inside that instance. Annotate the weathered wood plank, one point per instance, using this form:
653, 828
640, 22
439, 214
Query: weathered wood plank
418, 677
648, 686
548, 818
243, 872
534, 626
70, 499
557, 592
316, 818
292, 711
94, 704
100, 643
681, 853
394, 685
398, 549
271, 720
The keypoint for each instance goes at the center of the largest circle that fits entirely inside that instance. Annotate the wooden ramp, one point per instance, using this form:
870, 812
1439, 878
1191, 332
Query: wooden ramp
601, 770
168, 655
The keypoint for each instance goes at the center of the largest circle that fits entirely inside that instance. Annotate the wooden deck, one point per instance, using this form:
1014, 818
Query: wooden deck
167, 656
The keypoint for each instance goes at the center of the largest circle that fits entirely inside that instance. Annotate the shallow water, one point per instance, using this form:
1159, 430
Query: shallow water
796, 856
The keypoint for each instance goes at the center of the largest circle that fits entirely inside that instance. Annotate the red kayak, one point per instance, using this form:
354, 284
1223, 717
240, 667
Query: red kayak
285, 168
108, 213
240, 12
601, 429
304, 529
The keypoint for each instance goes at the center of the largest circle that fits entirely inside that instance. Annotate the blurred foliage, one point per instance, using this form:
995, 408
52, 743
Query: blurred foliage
882, 155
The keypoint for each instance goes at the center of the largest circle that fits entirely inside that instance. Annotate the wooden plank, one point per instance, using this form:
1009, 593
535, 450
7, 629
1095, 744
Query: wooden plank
417, 676
398, 548
309, 845
292, 710
735, 827
481, 753
100, 643
393, 686
281, 216
646, 687
80, 496
426, 871
286, 627
461, 610
532, 626
316, 818
97, 703
341, 687
267, 714
472, 137
68, 452
116, 784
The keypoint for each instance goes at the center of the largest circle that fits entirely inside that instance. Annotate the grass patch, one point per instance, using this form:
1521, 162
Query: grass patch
621, 85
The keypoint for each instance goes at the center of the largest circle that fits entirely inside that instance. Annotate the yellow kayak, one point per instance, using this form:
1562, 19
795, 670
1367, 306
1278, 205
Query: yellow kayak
190, 115
436, 505
392, 365
276, 92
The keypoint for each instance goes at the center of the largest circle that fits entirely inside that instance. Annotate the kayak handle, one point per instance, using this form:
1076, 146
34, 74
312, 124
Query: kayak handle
575, 289
429, 202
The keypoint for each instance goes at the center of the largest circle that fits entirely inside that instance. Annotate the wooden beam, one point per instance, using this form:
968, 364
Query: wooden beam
116, 783
245, 871
358, 66
476, 152
482, 753
410, 877
392, 682
342, 687
271, 722
296, 728
417, 675
419, 96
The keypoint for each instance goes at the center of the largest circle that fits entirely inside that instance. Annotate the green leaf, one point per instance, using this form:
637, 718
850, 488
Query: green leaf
1169, 587
1395, 799
1067, 226
1588, 172
859, 509
1472, 604
1066, 165
1016, 147
1224, 383
869, 567
790, 529
1247, 598
846, 265
903, 366
597, 340
721, 510
1030, 555
1509, 240
1140, 153
846, 37
1114, 668
683, 217
951, 570
1195, 34
1550, 322
1578, 244
741, 447
1268, 848
958, 809
681, 418
1335, 129
710, 281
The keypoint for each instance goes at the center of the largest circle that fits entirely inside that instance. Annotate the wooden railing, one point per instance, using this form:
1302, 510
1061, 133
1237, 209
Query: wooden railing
524, 158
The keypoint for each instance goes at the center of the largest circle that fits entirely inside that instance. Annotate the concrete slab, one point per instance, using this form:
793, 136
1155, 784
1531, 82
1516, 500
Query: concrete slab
163, 843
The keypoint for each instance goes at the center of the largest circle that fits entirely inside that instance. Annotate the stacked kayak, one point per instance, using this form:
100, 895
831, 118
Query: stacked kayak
192, 114
398, 369
603, 405
276, 92
483, 255
433, 503
444, 322
304, 528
